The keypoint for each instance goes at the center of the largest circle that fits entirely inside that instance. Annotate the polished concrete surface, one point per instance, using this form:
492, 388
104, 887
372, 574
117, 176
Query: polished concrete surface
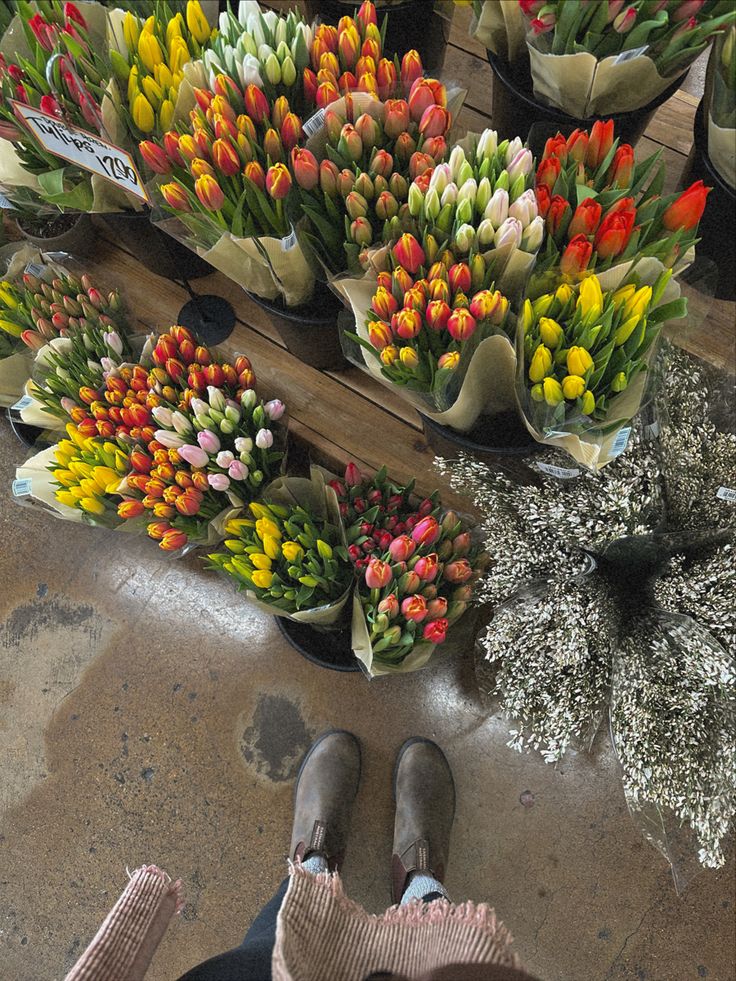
149, 715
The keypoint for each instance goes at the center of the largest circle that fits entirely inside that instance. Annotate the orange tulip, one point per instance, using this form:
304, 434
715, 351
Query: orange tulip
687, 210
209, 192
225, 157
278, 181
599, 143
173, 540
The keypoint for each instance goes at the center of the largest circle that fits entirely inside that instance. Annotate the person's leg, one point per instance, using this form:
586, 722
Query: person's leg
424, 792
325, 791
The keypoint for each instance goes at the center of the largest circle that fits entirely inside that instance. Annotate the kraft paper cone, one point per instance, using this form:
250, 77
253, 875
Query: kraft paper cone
583, 86
488, 386
500, 27
589, 450
722, 151
14, 373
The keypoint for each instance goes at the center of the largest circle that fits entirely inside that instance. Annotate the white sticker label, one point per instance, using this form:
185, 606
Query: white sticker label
86, 150
289, 242
35, 269
314, 124
628, 55
22, 488
621, 441
726, 494
22, 403
7, 205
564, 473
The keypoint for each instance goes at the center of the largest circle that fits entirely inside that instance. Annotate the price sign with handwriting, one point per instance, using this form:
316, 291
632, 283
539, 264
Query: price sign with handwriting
87, 150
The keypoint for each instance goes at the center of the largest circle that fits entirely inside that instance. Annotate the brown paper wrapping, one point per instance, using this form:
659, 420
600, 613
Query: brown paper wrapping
14, 373
583, 86
500, 27
591, 451
722, 151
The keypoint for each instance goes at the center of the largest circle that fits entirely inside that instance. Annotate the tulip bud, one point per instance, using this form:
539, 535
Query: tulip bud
361, 232
541, 364
497, 209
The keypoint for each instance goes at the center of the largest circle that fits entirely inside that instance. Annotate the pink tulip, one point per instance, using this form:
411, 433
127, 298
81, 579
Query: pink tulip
353, 475
389, 606
427, 567
378, 574
218, 481
238, 470
208, 441
402, 548
274, 409
194, 455
414, 608
426, 531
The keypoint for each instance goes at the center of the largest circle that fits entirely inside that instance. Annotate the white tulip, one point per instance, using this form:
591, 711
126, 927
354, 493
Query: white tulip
509, 233
497, 209
533, 235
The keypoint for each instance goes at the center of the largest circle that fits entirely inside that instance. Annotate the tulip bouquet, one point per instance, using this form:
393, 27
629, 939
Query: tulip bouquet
51, 60
149, 62
722, 106
583, 360
289, 557
601, 209
415, 566
260, 48
87, 471
617, 55
228, 186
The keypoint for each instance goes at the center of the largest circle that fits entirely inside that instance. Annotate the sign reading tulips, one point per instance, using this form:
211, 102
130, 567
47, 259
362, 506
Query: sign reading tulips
82, 148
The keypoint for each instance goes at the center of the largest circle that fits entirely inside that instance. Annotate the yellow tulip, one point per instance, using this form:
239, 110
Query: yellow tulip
271, 547
143, 113
538, 393
166, 114
89, 486
563, 293
578, 361
264, 527
174, 28
638, 304
178, 54
197, 22
10, 328
573, 387
542, 304
541, 364
324, 549
163, 75
80, 469
77, 493
625, 330
65, 477
236, 525
262, 579
623, 294
133, 89
242, 567
409, 358
66, 498
293, 552
590, 299
74, 436
131, 31
152, 91
260, 561
588, 402
259, 510
7, 297
620, 382
149, 50
149, 24
104, 477
552, 391
550, 332
235, 545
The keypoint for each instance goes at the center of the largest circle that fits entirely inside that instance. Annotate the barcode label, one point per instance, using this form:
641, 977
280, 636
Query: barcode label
5, 204
22, 403
35, 269
629, 55
22, 488
314, 124
621, 441
289, 241
562, 472
726, 494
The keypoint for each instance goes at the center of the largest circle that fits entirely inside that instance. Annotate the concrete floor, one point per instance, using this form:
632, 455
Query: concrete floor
148, 715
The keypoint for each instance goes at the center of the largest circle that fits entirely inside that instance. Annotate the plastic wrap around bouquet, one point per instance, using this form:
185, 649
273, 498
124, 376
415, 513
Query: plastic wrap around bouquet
615, 57
721, 103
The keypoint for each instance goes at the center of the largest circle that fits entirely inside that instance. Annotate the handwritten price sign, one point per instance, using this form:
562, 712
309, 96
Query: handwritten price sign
86, 150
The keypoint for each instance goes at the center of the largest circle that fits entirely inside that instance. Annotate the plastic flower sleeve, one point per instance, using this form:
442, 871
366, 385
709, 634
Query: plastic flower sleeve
669, 667
720, 102
500, 28
592, 444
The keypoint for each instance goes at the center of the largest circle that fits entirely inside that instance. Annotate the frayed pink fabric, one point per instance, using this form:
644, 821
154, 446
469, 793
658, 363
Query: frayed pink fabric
125, 943
322, 934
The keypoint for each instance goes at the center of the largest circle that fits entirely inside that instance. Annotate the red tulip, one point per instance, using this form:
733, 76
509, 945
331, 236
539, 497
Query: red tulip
396, 117
309, 81
171, 145
427, 567
278, 181
544, 198
622, 167
556, 146
291, 130
586, 219
408, 253
414, 299
459, 277
436, 630
547, 172
225, 157
557, 214
175, 196
140, 461
386, 79
154, 157
614, 233
366, 15
576, 256
209, 192
49, 104
411, 68
437, 314
414, 608
406, 323
382, 164
687, 210
378, 574
255, 173
305, 167
365, 65
256, 104
173, 540
461, 324
599, 143
577, 145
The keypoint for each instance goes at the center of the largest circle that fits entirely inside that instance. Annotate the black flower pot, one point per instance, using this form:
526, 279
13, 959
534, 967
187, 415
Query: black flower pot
500, 441
309, 331
161, 253
515, 109
716, 229
411, 24
69, 232
326, 648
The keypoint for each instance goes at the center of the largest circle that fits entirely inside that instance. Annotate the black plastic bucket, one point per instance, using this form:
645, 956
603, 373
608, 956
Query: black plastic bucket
309, 331
326, 648
515, 109
162, 254
716, 229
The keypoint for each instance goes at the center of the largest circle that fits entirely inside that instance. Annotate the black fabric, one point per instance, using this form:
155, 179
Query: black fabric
251, 961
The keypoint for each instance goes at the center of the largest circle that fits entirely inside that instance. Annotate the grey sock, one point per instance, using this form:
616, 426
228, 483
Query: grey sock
315, 863
421, 885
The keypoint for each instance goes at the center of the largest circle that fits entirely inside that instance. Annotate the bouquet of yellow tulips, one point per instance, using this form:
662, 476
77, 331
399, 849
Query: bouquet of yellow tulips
583, 359
87, 471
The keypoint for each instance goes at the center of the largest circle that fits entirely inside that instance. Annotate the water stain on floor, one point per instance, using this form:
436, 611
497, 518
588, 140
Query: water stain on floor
275, 742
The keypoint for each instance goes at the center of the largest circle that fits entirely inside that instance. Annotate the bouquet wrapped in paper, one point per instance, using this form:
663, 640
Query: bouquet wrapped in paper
287, 552
223, 175
500, 27
615, 56
584, 356
53, 61
721, 106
